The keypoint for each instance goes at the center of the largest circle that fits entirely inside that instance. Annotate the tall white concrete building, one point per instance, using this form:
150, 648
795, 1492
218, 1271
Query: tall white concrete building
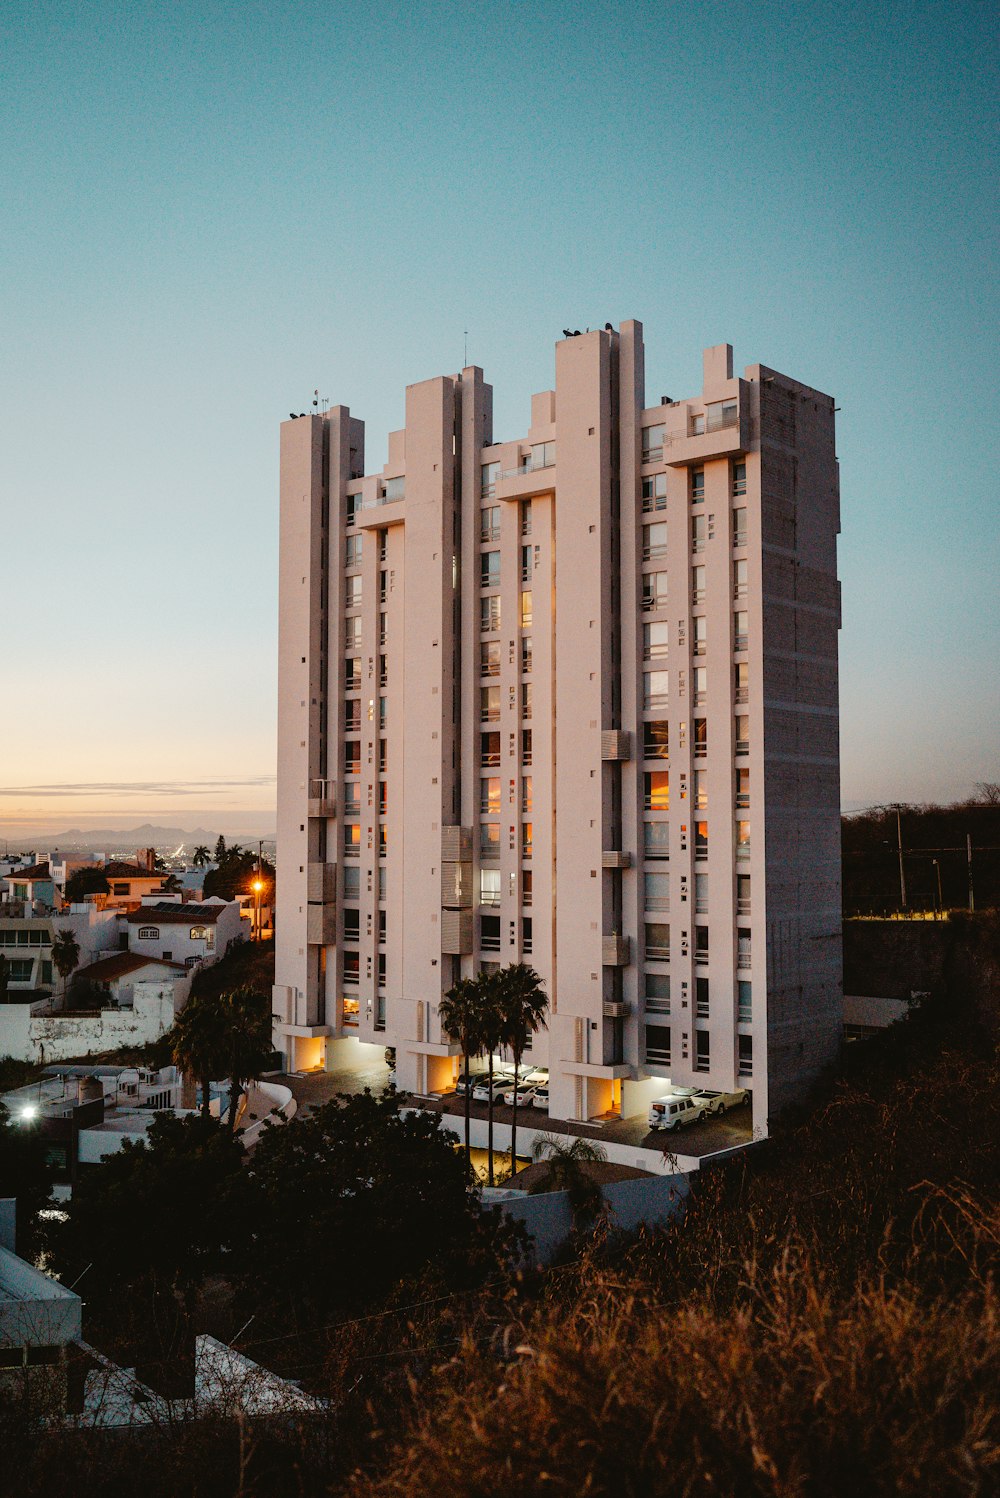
569, 699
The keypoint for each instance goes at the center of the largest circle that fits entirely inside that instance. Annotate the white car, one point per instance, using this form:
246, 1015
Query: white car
540, 1097
481, 1092
721, 1102
674, 1111
525, 1095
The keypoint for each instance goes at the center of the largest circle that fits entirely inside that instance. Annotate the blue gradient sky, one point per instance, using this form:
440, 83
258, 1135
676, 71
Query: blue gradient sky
210, 209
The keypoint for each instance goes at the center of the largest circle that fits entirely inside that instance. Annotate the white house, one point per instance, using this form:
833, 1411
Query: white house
200, 931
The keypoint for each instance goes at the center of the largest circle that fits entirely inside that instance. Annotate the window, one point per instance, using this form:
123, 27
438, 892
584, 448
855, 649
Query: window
527, 933
489, 569
352, 799
352, 674
352, 591
698, 532
352, 839
701, 894
353, 504
525, 610
526, 564
721, 414
699, 634
489, 933
699, 790
742, 788
352, 715
20, 969
697, 485
742, 682
739, 579
742, 839
383, 545
739, 527
489, 796
699, 737
656, 839
489, 840
380, 963
699, 685
743, 947
656, 891
656, 685
654, 591
382, 882
652, 443
741, 629
383, 798
383, 756
655, 640
489, 886
527, 832
488, 473
352, 925
657, 941
489, 704
656, 790
489, 657
383, 587
701, 998
383, 671
489, 749
742, 733
352, 551
698, 584
654, 492
744, 1055
656, 739
489, 614
526, 517
352, 968
698, 424
200, 933
654, 540
739, 479
702, 1051
489, 523
701, 944
525, 747
352, 757
657, 993
352, 632
526, 699
526, 794
352, 883
658, 1045
149, 933
121, 889
543, 455
743, 894
382, 633
383, 840
525, 653
744, 1001
701, 840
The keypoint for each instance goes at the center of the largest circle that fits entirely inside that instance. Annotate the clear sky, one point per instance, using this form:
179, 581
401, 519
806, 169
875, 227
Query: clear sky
209, 210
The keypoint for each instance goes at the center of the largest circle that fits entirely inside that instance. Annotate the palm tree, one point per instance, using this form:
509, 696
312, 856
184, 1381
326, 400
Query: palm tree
524, 1002
565, 1162
198, 1043
201, 856
459, 1013
220, 849
491, 1038
247, 1017
65, 955
171, 884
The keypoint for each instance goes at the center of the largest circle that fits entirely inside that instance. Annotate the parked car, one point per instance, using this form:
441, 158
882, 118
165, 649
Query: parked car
525, 1095
481, 1092
675, 1112
535, 1078
540, 1097
721, 1102
469, 1080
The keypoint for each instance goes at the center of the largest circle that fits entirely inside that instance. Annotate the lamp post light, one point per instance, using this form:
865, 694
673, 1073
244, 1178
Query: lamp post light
937, 870
257, 886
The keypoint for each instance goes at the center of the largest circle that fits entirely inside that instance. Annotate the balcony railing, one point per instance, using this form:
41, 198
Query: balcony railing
744, 1014
718, 418
742, 907
742, 746
657, 953
527, 467
745, 1068
739, 538
658, 1054
657, 1006
701, 956
741, 642
743, 800
742, 850
742, 694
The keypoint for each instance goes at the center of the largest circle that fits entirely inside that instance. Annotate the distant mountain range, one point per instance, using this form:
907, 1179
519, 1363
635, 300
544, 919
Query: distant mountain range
148, 835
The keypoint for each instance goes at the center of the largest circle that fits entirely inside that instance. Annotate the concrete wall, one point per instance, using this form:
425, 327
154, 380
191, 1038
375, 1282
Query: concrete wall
45, 1038
548, 1219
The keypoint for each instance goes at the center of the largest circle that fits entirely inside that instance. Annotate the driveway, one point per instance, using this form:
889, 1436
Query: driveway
316, 1088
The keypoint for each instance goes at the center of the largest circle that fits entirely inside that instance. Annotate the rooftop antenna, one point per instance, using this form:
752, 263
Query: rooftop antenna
465, 351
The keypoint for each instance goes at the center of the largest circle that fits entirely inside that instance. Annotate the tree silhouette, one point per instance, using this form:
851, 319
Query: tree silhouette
523, 1002
460, 1012
201, 856
65, 955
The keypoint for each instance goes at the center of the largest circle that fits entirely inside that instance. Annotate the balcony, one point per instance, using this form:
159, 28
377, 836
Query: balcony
456, 932
742, 694
456, 885
616, 744
322, 806
321, 882
615, 859
387, 509
726, 433
615, 951
321, 925
527, 481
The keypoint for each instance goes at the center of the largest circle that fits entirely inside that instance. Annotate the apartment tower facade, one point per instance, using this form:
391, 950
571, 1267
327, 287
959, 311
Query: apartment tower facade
572, 700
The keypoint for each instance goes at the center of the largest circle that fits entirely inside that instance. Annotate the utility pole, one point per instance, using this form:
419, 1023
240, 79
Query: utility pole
902, 875
968, 852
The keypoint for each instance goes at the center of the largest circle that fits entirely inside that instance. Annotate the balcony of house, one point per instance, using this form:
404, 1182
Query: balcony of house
321, 881
387, 508
322, 799
536, 475
718, 430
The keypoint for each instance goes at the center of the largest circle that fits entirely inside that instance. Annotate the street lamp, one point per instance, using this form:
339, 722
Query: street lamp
257, 886
937, 870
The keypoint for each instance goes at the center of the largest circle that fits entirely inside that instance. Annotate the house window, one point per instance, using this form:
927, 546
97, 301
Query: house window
489, 886
526, 839
701, 944
352, 632
745, 1055
742, 839
526, 794
657, 941
654, 591
526, 564
352, 715
20, 969
525, 653
742, 789
701, 894
656, 739
739, 579
701, 840
488, 473
740, 527
382, 882
741, 630
352, 674
352, 967
526, 518
656, 840
721, 414
744, 1001
149, 933
654, 492
489, 658
657, 993
699, 683
656, 790
489, 840
489, 569
352, 839
742, 682
658, 1045
352, 925
489, 614
543, 455
699, 793
489, 796
702, 1051
656, 890
352, 883
352, 551
697, 533
527, 932
743, 947
525, 610
699, 737
526, 888
200, 933
489, 704
352, 798
489, 749
739, 479
121, 889
525, 747
654, 540
526, 699
489, 933
489, 523
698, 424
380, 966
352, 591
743, 894
742, 733
352, 756
652, 443
697, 485
701, 998
698, 584
655, 688
655, 638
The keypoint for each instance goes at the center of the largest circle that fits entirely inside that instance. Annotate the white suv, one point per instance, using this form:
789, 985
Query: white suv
674, 1111
721, 1102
